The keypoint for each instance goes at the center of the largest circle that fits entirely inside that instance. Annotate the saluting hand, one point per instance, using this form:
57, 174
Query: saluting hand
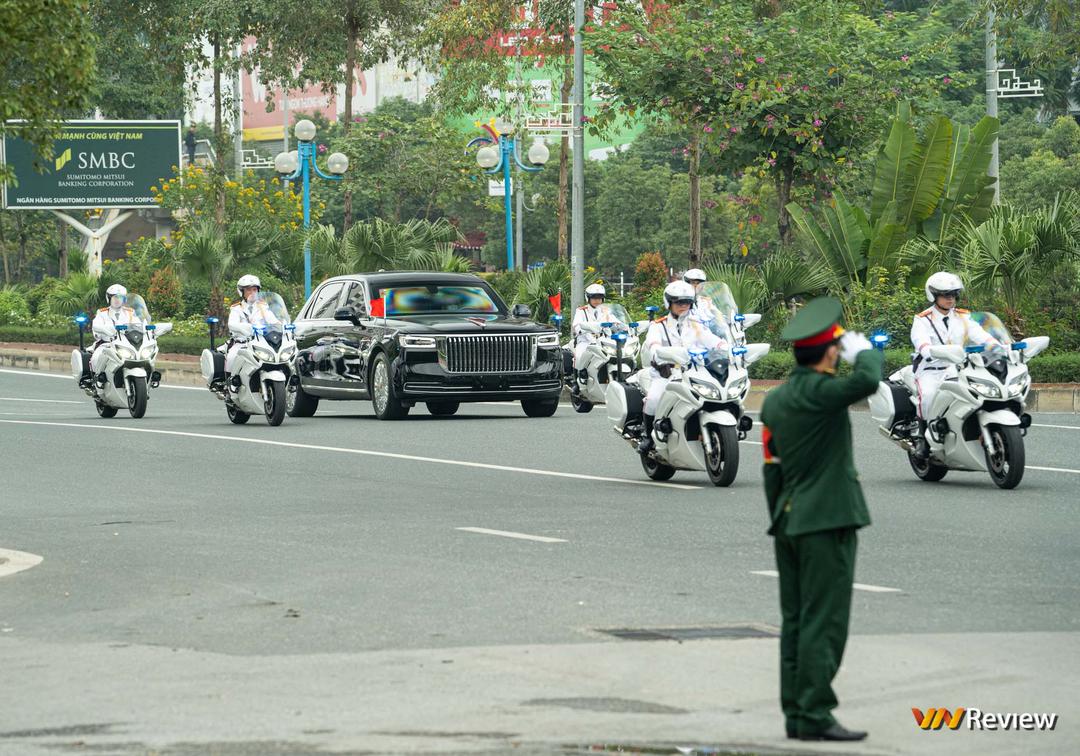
851, 343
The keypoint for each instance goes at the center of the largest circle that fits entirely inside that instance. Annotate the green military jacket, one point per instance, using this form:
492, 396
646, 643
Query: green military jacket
810, 468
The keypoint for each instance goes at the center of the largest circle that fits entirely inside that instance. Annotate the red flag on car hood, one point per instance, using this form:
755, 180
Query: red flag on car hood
556, 302
377, 309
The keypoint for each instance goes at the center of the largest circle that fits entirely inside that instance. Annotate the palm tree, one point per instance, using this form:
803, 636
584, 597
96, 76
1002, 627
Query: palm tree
74, 294
381, 245
540, 283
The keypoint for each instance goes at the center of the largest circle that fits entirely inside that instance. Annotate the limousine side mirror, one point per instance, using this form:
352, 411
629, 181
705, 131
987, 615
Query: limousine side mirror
521, 311
348, 313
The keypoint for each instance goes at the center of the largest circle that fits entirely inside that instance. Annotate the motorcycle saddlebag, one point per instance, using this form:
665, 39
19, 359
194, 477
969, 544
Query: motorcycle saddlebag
80, 364
891, 404
212, 365
624, 403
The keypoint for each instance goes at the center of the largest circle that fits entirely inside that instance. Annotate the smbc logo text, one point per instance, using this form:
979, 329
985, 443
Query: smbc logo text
933, 719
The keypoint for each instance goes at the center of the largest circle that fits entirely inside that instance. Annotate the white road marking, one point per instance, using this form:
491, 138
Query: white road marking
42, 374
1054, 469
856, 586
12, 561
511, 534
46, 401
1066, 427
362, 452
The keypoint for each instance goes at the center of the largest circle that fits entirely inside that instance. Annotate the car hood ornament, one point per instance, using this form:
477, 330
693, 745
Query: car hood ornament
478, 321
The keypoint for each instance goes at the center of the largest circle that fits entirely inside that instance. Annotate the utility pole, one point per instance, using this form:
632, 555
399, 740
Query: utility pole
991, 96
577, 210
238, 122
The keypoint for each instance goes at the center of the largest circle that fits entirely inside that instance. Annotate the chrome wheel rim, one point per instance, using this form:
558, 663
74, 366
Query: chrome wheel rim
382, 387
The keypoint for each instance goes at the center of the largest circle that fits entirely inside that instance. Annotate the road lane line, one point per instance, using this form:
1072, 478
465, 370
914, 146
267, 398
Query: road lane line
46, 401
512, 534
41, 374
362, 452
856, 586
1066, 427
1054, 469
12, 561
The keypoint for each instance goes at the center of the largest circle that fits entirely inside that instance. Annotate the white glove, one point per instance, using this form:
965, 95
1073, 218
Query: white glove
851, 343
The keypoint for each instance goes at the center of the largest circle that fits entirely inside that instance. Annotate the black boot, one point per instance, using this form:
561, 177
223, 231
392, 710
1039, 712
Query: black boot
647, 444
920, 448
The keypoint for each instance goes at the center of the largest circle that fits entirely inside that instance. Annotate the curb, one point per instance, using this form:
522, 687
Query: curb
1044, 397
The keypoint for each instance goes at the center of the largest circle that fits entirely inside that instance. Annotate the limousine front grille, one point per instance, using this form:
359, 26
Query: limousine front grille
487, 354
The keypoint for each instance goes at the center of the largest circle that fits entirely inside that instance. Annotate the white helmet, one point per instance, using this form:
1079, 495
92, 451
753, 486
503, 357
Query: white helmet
942, 282
595, 290
116, 290
245, 281
679, 290
694, 275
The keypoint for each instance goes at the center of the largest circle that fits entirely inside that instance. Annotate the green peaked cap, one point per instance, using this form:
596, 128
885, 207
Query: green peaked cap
815, 317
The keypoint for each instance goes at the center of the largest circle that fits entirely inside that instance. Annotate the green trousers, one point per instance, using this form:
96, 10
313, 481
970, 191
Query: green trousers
816, 575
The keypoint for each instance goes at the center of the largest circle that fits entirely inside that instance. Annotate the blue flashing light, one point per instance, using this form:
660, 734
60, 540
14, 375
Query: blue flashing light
739, 350
652, 308
211, 320
1020, 345
121, 328
620, 336
740, 318
290, 327
975, 349
151, 327
634, 324
81, 319
879, 339
606, 325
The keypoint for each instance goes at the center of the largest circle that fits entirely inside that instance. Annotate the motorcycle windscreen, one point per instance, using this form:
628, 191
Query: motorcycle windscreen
276, 306
138, 305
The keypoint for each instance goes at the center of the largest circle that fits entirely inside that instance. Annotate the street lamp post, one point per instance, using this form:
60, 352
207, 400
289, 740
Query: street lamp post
299, 165
499, 153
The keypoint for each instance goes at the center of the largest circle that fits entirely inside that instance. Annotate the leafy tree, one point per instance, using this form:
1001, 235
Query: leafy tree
629, 211
795, 93
384, 245
45, 72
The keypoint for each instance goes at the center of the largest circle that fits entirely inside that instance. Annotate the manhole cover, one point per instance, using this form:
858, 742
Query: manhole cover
731, 632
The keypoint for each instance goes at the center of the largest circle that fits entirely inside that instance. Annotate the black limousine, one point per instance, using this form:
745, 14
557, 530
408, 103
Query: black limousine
399, 338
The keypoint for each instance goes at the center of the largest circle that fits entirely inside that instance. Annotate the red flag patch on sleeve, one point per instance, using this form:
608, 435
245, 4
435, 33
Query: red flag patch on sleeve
377, 308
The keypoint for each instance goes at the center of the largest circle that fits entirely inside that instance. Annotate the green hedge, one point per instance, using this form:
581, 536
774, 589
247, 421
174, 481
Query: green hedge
169, 342
1047, 368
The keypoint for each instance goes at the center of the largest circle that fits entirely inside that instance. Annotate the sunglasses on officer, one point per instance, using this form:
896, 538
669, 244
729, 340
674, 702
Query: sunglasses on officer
951, 294
686, 302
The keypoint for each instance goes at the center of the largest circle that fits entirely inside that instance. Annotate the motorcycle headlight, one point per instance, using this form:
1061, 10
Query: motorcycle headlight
264, 354
985, 388
547, 340
736, 386
288, 352
1019, 385
148, 352
126, 352
416, 342
705, 389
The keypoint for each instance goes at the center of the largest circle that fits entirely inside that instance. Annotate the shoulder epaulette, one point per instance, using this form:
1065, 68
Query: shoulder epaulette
584, 307
660, 319
962, 311
926, 313
104, 309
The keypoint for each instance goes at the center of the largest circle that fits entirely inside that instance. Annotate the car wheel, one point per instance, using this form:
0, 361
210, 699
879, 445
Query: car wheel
443, 409
539, 407
299, 403
384, 399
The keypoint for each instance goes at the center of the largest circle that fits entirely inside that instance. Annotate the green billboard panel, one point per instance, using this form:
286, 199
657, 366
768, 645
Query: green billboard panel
96, 164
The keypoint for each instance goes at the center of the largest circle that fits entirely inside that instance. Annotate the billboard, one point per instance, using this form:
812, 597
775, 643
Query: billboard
96, 164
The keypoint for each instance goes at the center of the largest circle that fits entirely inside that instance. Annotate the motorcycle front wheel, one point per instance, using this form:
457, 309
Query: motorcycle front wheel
1005, 461
656, 470
723, 462
274, 402
136, 397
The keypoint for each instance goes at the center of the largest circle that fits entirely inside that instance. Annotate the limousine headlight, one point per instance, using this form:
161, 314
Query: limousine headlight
548, 340
416, 342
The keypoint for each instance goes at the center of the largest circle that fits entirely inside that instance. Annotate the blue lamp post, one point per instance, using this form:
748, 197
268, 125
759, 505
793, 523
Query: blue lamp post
499, 153
299, 165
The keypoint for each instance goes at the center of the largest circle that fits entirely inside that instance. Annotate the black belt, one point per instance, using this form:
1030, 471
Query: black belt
935, 368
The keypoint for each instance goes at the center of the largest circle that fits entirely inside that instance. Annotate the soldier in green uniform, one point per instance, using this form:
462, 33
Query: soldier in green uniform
816, 506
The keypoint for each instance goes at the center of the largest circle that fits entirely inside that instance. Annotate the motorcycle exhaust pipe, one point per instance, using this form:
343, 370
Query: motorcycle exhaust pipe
903, 443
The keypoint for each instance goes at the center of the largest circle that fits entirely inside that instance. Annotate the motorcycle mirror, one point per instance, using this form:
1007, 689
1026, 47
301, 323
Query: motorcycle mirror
975, 349
1019, 345
606, 325
151, 327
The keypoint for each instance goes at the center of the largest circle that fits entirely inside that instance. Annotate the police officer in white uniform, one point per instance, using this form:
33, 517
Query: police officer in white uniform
105, 322
677, 328
244, 316
942, 323
703, 310
593, 312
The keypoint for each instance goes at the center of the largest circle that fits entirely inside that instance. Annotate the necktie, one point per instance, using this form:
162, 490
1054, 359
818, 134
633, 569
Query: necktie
945, 320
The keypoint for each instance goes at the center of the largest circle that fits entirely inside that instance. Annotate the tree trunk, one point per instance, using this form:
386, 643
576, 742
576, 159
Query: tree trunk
22, 234
695, 199
353, 31
62, 256
564, 173
783, 196
219, 141
4, 253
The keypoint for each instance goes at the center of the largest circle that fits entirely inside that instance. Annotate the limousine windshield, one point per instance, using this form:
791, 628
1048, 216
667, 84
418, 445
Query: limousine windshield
437, 298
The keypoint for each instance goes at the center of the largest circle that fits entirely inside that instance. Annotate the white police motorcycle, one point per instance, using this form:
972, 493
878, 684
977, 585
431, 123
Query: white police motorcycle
610, 357
978, 419
262, 366
700, 418
128, 363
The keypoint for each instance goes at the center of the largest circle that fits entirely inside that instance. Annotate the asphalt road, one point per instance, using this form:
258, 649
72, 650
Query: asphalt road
206, 587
